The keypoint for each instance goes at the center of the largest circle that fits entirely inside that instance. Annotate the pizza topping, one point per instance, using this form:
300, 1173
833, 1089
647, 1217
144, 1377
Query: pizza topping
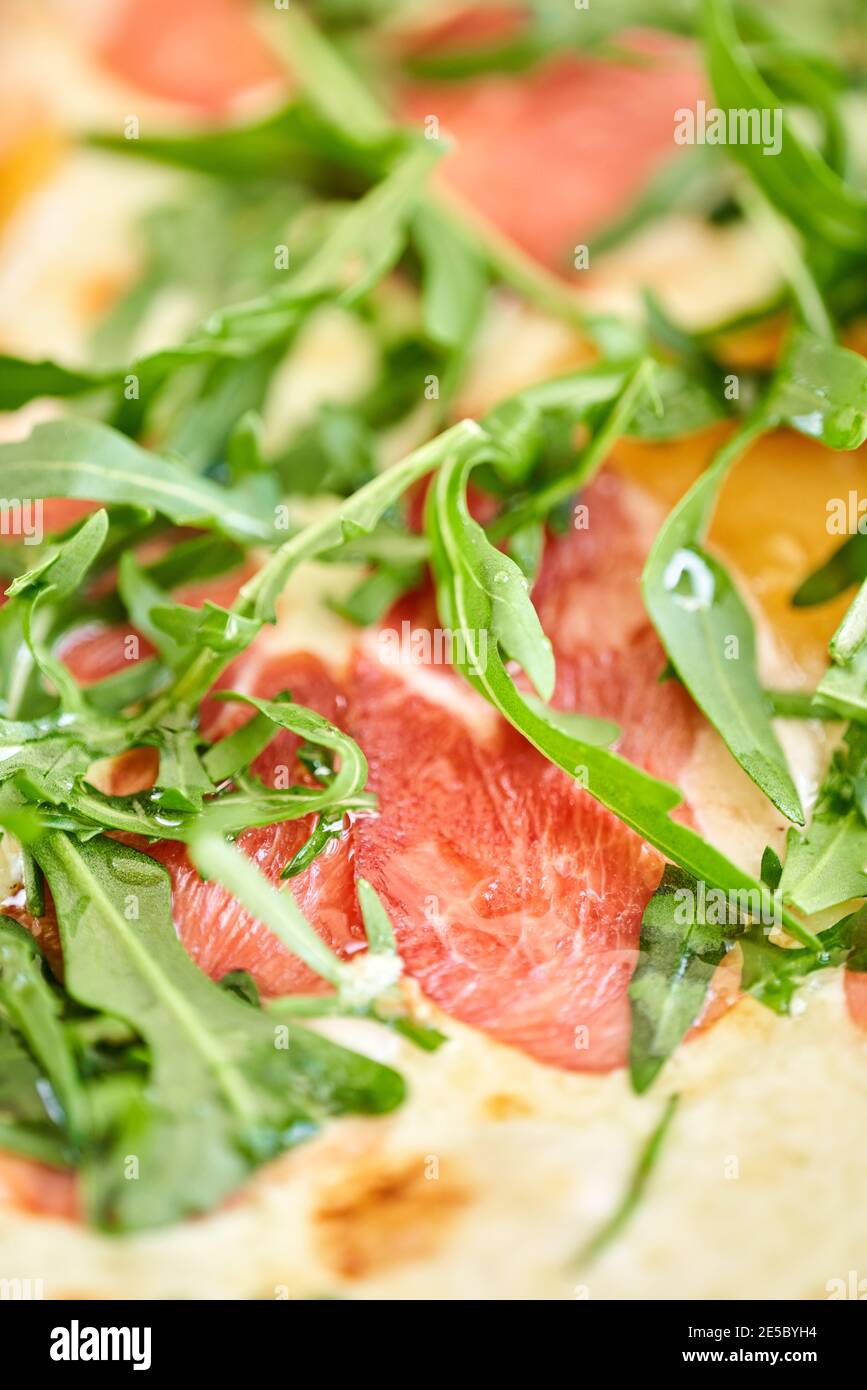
508, 831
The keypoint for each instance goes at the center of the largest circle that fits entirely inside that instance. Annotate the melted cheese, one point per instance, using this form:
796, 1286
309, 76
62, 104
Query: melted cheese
497, 1171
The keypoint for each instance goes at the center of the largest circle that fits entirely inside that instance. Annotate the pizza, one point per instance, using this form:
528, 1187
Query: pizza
432, 789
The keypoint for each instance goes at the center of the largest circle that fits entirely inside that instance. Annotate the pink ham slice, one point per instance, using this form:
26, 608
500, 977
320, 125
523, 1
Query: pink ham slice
515, 897
585, 134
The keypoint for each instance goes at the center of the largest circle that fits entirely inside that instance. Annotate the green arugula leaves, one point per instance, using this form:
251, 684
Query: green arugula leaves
820, 390
678, 954
797, 179
223, 1089
708, 634
845, 567
827, 865
84, 459
685, 935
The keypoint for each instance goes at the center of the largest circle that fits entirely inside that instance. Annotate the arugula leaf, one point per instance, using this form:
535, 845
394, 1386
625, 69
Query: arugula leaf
693, 182
48, 769
81, 458
239, 749
364, 243
355, 518
141, 595
61, 571
799, 704
708, 634
856, 927
328, 78
336, 453
56, 577
20, 1099
772, 973
223, 1093
771, 867
34, 1009
374, 595
526, 545
377, 923
375, 991
845, 567
254, 805
27, 1126
206, 629
852, 632
517, 426
201, 429
335, 90
792, 262
292, 143
639, 800
843, 688
589, 728
496, 598
827, 865
22, 381
676, 962
820, 390
683, 401
52, 768
200, 557
88, 811
241, 982
454, 279
310, 726
797, 179
182, 782
117, 692
329, 826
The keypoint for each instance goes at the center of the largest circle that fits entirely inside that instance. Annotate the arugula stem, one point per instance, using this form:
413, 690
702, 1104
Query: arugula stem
324, 74
647, 1160
800, 704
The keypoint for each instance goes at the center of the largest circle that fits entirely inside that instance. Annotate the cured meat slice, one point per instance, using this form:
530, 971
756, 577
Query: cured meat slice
204, 53
856, 996
35, 1188
586, 135
516, 898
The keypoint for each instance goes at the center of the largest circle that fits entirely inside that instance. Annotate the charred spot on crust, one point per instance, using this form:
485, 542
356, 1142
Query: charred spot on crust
386, 1214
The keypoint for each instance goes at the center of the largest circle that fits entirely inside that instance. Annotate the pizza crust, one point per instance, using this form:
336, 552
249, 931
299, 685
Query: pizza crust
488, 1182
